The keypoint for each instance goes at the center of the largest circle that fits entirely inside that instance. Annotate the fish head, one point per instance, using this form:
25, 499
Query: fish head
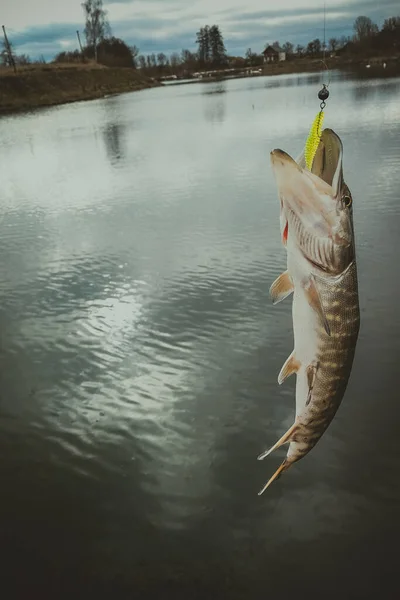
316, 205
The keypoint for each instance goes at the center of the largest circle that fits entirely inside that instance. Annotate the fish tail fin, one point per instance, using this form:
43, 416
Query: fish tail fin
283, 467
283, 440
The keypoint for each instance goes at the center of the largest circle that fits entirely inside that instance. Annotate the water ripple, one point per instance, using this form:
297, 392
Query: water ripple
140, 350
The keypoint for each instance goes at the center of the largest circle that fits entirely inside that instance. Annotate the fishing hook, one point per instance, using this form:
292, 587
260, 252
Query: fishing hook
323, 94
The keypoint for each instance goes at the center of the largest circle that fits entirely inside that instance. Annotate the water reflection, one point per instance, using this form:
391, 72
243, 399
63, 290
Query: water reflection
376, 71
215, 102
114, 130
293, 80
366, 91
114, 139
140, 351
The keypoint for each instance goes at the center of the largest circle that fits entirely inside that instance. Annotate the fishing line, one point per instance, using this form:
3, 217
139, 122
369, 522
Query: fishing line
314, 136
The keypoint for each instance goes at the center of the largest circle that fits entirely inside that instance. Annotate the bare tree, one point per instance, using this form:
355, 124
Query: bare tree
22, 60
288, 48
344, 40
174, 60
161, 59
135, 54
314, 47
391, 24
189, 59
333, 44
97, 26
364, 28
249, 56
187, 56
7, 60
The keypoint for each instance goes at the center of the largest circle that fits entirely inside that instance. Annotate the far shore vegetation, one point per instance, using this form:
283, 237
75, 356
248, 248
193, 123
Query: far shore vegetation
98, 50
102, 48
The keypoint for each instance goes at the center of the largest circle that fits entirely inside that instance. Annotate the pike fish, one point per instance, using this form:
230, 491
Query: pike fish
316, 221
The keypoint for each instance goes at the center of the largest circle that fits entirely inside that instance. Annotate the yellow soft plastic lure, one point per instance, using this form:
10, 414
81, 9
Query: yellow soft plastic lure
313, 139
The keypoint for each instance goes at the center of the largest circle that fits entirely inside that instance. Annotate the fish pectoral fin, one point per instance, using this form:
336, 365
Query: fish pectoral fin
283, 440
281, 288
311, 372
292, 365
283, 467
314, 301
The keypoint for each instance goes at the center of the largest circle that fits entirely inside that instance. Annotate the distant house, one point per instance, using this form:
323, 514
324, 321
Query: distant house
274, 54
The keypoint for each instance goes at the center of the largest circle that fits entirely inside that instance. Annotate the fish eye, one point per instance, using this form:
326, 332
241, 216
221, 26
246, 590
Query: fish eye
347, 201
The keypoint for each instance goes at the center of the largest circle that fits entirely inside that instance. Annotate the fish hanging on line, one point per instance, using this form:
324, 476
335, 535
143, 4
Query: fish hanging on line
317, 229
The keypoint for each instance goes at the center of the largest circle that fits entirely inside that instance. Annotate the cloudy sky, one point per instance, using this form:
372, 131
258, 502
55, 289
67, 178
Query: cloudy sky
45, 27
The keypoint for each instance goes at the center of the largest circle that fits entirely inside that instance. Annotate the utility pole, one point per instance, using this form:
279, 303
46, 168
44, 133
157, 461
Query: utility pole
80, 45
10, 56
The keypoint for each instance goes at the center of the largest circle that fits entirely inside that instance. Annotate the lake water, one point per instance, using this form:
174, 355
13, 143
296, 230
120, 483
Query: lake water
140, 350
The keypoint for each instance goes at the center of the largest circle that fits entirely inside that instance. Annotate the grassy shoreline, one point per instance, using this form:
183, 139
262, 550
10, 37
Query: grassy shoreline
49, 85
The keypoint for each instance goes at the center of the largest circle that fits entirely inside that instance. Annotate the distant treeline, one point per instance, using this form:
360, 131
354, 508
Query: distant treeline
101, 46
367, 39
111, 52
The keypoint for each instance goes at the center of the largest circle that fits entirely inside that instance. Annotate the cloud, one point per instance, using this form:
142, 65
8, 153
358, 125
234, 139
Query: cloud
46, 40
46, 33
170, 25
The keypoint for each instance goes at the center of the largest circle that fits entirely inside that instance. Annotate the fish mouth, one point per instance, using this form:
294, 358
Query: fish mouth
328, 160
327, 164
309, 199
309, 193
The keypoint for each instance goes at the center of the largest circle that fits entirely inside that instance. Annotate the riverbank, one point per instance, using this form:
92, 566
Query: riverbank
364, 67
391, 64
49, 85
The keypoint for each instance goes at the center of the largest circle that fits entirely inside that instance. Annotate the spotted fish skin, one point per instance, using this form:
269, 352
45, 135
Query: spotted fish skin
328, 362
317, 231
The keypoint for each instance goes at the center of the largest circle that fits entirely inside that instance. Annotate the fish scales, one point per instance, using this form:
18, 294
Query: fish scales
317, 230
334, 356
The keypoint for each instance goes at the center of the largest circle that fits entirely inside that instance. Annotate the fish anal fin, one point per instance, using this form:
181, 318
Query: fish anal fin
283, 467
283, 440
311, 372
292, 365
314, 301
281, 288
